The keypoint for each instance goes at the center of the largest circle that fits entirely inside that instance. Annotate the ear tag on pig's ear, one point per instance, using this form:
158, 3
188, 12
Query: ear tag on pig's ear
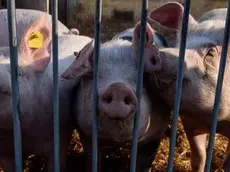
35, 40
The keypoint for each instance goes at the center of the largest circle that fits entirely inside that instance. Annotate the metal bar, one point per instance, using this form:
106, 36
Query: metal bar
177, 98
95, 84
68, 11
47, 6
216, 106
139, 85
55, 84
15, 87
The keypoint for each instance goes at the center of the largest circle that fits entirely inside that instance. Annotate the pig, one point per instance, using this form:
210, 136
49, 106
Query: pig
201, 65
35, 89
117, 100
23, 20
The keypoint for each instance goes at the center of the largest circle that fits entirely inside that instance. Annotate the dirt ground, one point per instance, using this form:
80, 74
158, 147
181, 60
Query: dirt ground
84, 21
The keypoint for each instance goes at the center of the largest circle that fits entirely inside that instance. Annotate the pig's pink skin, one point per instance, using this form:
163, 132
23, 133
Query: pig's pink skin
35, 88
201, 66
117, 81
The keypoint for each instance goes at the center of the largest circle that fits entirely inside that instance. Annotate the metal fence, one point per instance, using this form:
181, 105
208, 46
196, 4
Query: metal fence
16, 98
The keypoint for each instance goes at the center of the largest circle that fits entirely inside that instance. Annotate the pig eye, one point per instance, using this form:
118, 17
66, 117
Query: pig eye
209, 59
20, 73
76, 54
211, 52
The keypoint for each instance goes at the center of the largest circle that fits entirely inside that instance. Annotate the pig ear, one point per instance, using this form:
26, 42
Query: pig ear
149, 32
168, 15
82, 64
35, 46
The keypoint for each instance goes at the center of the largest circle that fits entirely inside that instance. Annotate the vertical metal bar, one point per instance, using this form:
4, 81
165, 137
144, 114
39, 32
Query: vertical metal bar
183, 39
216, 106
139, 85
95, 84
55, 83
67, 12
47, 6
14, 80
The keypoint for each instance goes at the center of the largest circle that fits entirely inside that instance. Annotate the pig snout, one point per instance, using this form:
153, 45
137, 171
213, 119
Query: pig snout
153, 61
117, 102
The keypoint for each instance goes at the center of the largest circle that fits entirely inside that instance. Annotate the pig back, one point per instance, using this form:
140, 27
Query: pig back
215, 14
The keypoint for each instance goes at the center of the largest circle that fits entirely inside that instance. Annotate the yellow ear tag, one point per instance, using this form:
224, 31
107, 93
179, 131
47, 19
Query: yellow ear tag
35, 40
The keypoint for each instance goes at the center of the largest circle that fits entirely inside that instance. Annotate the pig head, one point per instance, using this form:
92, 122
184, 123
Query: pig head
35, 79
201, 67
117, 101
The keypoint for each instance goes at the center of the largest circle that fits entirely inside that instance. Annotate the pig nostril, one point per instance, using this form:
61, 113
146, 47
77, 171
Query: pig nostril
153, 60
127, 100
108, 99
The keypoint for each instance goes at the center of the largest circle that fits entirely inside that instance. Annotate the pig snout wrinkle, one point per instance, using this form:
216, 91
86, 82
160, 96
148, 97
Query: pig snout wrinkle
117, 102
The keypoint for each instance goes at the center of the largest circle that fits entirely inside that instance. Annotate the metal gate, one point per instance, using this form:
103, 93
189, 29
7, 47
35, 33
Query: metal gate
16, 98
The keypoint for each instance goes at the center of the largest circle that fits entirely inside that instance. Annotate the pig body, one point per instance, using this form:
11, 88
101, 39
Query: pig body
35, 88
201, 66
24, 18
215, 14
117, 100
